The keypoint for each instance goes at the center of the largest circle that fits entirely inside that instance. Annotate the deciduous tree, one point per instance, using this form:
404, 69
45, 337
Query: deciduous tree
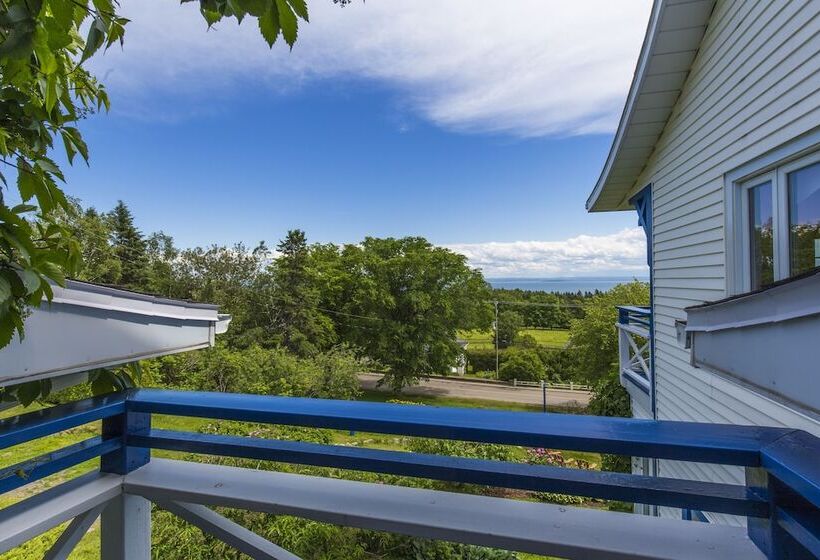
45, 90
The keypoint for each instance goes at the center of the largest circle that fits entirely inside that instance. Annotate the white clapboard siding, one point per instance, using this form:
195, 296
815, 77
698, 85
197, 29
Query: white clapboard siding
754, 85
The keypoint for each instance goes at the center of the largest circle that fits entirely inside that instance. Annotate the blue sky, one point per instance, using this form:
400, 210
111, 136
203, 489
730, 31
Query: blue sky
489, 146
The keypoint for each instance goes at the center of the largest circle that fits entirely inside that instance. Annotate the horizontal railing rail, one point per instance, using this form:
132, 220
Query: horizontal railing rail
686, 441
782, 496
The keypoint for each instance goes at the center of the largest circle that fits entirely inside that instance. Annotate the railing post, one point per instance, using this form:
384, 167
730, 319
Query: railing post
767, 533
125, 523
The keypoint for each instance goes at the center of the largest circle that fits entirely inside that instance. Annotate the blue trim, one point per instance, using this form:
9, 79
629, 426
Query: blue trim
725, 498
643, 204
781, 498
794, 460
47, 464
725, 444
123, 427
631, 377
802, 526
47, 421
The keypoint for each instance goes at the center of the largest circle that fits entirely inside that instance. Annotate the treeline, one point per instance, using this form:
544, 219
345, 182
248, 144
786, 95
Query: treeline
397, 303
544, 310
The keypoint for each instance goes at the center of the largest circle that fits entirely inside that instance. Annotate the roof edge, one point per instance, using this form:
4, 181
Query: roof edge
629, 106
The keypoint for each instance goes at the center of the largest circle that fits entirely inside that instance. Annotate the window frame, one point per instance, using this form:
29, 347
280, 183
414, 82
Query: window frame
774, 166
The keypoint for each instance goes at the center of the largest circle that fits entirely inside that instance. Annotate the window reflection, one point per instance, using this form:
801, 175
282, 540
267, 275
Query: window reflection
804, 218
760, 235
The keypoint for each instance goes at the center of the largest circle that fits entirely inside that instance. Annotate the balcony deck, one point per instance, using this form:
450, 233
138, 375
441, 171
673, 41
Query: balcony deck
781, 498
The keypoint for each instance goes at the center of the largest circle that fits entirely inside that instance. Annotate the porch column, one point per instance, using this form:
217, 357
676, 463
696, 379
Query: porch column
125, 529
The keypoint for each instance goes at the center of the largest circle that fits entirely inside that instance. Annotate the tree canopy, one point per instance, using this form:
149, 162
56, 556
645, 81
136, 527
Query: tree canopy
45, 91
594, 335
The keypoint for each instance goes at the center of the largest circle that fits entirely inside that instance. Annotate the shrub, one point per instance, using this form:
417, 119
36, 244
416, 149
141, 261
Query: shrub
482, 360
610, 399
521, 364
456, 448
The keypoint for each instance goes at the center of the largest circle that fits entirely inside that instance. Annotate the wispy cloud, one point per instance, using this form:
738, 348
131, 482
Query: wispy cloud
619, 253
523, 67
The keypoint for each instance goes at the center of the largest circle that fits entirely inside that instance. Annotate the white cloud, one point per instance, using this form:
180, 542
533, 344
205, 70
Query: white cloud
522, 67
585, 255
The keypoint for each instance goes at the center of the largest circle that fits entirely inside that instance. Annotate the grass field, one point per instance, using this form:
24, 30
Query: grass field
483, 340
88, 548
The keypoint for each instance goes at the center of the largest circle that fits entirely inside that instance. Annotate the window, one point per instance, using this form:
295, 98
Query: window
779, 226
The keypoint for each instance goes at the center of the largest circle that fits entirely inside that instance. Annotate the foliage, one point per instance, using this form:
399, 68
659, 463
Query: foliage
521, 364
44, 92
483, 360
554, 310
454, 448
509, 323
402, 301
609, 398
129, 247
559, 364
594, 335
290, 299
258, 370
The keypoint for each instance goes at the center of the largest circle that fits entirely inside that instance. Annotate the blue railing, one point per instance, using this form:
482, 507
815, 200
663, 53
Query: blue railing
781, 499
635, 315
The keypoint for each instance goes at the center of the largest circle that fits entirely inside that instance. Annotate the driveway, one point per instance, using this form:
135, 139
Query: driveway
453, 387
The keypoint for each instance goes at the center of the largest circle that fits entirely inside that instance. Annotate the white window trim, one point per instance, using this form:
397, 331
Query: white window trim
773, 166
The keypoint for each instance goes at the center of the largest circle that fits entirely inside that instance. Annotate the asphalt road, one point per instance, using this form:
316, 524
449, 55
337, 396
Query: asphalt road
487, 391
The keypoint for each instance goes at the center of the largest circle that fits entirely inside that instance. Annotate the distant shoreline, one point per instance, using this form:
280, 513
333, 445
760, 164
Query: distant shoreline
565, 284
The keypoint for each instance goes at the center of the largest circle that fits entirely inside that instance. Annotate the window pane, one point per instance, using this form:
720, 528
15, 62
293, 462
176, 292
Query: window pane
760, 235
804, 218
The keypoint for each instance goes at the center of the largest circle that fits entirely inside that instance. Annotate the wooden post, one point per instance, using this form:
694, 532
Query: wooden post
125, 529
125, 523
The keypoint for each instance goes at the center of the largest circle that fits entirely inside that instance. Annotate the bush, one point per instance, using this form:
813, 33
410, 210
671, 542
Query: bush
326, 375
454, 448
521, 364
594, 335
560, 364
482, 360
610, 399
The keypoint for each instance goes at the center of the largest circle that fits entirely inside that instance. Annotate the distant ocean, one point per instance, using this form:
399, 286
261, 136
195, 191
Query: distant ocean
568, 284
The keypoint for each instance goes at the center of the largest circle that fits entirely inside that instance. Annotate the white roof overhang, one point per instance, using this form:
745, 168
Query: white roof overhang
88, 326
673, 36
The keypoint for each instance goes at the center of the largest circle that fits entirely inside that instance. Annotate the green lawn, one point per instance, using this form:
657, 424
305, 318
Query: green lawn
483, 340
88, 548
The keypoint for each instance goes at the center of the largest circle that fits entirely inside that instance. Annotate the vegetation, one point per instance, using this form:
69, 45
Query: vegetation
522, 364
593, 335
45, 91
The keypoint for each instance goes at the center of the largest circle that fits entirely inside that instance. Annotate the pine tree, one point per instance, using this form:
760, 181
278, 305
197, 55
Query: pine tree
129, 248
302, 327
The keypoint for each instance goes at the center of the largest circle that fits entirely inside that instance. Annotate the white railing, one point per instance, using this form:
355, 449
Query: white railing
635, 346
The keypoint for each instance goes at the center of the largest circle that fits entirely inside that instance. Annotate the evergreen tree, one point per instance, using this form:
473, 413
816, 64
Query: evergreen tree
299, 325
129, 248
100, 263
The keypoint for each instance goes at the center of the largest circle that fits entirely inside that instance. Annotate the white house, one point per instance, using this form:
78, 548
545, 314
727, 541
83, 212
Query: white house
718, 148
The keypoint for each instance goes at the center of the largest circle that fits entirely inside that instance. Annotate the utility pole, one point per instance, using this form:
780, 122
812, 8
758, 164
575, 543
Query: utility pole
496, 338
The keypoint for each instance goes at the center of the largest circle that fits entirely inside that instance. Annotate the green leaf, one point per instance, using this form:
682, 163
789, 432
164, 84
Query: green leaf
26, 180
29, 278
300, 7
63, 12
7, 326
95, 39
211, 16
287, 21
269, 26
45, 56
27, 393
5, 290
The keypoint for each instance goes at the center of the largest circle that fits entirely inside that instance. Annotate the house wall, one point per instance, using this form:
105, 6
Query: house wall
753, 86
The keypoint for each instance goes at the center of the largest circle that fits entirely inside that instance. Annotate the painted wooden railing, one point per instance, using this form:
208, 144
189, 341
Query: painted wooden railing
635, 347
781, 500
